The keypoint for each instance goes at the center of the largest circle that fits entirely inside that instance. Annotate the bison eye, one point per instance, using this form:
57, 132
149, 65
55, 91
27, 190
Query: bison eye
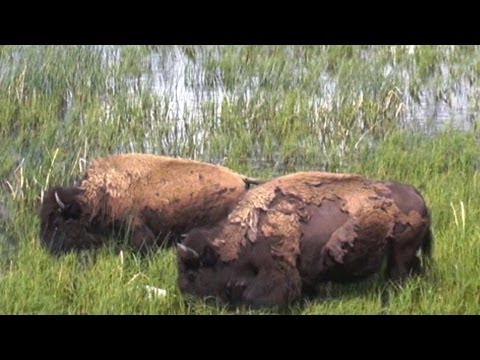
210, 257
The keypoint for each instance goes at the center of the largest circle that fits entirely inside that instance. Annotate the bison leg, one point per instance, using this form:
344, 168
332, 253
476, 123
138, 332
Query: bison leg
402, 261
402, 255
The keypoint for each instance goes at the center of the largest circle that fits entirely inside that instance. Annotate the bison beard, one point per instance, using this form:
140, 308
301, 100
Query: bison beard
291, 234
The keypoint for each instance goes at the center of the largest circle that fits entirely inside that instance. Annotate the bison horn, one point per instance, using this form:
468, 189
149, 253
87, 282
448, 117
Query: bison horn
59, 202
186, 252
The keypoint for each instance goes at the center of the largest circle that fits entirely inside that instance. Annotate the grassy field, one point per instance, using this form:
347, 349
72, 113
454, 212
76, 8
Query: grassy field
403, 113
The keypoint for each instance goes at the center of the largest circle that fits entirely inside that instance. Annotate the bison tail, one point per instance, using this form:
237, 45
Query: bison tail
252, 181
427, 247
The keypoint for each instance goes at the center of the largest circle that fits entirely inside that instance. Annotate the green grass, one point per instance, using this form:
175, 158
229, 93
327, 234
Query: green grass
264, 111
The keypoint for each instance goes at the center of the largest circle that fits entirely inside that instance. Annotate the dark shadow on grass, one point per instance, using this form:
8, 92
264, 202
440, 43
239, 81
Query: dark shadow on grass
376, 287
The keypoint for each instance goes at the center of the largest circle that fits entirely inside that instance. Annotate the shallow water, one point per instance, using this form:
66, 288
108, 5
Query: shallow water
430, 110
187, 93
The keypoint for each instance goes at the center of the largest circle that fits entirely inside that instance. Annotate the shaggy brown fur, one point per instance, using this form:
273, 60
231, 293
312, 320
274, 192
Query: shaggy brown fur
294, 232
153, 195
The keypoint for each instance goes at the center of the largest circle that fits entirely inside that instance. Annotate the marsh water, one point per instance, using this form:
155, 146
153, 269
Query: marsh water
282, 108
188, 91
440, 100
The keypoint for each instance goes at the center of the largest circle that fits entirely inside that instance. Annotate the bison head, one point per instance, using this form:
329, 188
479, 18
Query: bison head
204, 274
201, 272
62, 226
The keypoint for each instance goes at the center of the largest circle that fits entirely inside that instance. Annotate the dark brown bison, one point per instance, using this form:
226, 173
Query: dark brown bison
292, 233
150, 195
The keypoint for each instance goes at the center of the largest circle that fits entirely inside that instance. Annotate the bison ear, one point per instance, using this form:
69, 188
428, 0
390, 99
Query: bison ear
188, 256
209, 257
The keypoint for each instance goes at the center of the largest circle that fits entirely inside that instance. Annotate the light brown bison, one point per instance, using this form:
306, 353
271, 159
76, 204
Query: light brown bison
292, 233
151, 195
